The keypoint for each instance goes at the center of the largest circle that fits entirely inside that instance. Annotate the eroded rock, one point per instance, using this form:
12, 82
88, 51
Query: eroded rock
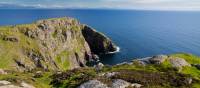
93, 84
118, 83
158, 59
178, 62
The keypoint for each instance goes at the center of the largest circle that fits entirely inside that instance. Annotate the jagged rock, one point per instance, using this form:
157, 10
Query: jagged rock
97, 41
178, 63
136, 85
158, 59
93, 84
118, 83
11, 38
2, 72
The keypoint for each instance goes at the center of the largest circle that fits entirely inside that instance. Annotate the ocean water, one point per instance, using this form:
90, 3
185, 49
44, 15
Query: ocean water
137, 33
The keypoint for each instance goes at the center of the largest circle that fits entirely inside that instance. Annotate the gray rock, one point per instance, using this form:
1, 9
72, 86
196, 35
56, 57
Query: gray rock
10, 86
136, 85
25, 85
110, 74
4, 82
93, 84
158, 59
99, 67
118, 83
178, 62
189, 80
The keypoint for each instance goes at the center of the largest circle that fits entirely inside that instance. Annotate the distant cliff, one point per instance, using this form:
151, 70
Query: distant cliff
51, 44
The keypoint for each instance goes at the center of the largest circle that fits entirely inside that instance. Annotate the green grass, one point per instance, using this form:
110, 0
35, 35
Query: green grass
62, 60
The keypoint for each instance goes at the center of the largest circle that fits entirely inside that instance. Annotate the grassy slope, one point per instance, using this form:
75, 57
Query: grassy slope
161, 76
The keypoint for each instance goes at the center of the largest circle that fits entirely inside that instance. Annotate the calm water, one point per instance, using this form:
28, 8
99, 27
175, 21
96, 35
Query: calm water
137, 33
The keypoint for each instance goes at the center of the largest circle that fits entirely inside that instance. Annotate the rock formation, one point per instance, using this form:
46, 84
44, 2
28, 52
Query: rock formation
52, 44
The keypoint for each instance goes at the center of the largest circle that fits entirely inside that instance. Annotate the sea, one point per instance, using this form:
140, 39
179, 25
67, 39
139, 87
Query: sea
137, 33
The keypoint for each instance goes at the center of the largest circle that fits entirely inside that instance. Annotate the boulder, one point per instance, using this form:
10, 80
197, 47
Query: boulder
158, 59
178, 63
93, 84
118, 83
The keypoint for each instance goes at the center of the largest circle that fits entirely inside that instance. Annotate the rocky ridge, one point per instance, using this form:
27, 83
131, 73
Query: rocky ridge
51, 44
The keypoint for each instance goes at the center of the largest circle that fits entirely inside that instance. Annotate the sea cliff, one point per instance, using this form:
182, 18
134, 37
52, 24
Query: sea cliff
52, 44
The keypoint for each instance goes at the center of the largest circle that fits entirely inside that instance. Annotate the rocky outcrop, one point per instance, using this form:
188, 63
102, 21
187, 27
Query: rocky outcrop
178, 63
93, 84
98, 42
7, 84
52, 44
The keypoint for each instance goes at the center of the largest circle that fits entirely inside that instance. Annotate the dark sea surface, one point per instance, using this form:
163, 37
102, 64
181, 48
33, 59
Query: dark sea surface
137, 33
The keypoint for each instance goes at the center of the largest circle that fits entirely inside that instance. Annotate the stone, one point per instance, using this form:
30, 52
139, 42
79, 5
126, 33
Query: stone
178, 63
93, 84
189, 81
136, 85
2, 72
25, 85
110, 74
10, 86
4, 82
99, 67
38, 74
118, 83
158, 59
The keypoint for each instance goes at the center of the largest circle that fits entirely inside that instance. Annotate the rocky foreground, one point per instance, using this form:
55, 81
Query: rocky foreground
54, 52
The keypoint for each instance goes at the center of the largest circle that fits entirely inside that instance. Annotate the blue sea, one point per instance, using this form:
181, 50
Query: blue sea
137, 33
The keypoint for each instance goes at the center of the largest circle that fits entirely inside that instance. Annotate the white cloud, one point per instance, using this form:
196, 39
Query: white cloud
112, 4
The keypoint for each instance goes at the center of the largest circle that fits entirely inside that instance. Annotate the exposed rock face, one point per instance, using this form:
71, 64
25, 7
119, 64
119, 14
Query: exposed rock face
7, 84
52, 44
178, 63
99, 43
158, 59
93, 84
118, 83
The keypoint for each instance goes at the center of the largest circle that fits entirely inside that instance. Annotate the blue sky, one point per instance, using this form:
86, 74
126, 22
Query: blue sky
110, 4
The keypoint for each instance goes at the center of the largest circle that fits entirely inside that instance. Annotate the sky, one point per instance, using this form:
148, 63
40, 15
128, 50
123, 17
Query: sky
108, 4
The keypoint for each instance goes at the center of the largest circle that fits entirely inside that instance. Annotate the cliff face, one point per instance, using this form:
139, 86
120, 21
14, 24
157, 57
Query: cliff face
98, 42
52, 44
